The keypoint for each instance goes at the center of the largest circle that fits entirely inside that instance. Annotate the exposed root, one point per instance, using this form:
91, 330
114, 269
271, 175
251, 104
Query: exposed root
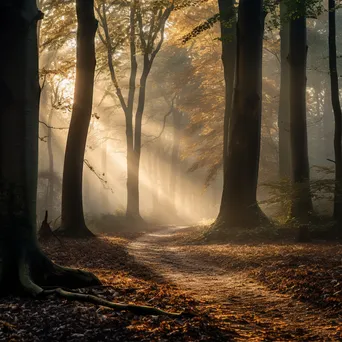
33, 274
228, 226
68, 277
80, 231
136, 309
29, 273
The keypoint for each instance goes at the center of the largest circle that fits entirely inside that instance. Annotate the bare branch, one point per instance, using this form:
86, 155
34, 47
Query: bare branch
164, 124
51, 127
107, 43
102, 179
134, 64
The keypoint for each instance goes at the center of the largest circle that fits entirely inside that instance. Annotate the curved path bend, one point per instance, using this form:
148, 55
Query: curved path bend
230, 294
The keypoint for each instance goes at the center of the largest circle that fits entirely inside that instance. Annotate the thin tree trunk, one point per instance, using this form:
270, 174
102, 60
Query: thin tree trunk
301, 203
327, 124
156, 184
73, 222
51, 179
284, 109
132, 209
105, 204
24, 267
174, 174
337, 113
239, 206
150, 49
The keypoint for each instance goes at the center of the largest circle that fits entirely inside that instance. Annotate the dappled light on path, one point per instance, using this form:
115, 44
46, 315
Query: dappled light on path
225, 285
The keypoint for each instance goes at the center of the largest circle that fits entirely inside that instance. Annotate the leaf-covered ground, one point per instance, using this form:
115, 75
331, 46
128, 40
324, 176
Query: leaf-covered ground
56, 319
265, 292
281, 292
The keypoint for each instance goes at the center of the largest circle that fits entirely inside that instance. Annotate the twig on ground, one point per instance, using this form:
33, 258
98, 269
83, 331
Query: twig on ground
136, 309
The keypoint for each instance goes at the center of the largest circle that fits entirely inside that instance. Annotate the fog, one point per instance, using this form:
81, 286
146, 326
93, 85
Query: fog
178, 185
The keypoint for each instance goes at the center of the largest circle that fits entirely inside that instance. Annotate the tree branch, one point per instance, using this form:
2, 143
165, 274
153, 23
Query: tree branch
51, 127
109, 47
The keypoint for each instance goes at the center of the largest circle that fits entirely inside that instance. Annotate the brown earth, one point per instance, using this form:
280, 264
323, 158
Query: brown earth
226, 280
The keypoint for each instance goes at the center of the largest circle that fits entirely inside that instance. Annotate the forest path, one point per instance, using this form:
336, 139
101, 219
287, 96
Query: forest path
257, 313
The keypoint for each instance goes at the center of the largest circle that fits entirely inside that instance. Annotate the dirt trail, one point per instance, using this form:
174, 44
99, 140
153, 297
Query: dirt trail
231, 294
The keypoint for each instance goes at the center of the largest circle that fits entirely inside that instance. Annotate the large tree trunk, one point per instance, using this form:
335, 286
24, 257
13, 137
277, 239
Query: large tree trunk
335, 99
24, 267
228, 39
73, 223
239, 206
284, 109
301, 202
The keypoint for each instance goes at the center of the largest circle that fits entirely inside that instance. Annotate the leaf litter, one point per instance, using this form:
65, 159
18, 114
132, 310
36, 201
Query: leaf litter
267, 292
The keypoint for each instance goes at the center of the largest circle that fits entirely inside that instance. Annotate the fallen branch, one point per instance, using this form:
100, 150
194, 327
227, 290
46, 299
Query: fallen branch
136, 309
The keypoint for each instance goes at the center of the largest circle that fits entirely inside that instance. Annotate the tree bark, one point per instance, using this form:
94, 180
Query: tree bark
174, 174
24, 267
335, 99
301, 202
104, 195
132, 208
73, 223
284, 110
328, 128
228, 39
51, 179
239, 206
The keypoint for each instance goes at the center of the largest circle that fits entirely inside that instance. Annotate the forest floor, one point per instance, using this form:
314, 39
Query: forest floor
240, 292
281, 292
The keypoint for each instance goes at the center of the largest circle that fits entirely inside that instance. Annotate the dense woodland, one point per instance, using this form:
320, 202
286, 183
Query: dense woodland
170, 170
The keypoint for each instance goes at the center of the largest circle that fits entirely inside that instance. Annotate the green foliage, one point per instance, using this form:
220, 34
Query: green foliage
282, 192
309, 8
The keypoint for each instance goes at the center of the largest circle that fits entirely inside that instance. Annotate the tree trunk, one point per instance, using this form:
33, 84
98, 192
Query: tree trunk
24, 267
51, 179
239, 206
133, 210
301, 203
174, 174
133, 207
284, 110
150, 49
155, 184
73, 223
104, 192
228, 39
328, 125
337, 113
